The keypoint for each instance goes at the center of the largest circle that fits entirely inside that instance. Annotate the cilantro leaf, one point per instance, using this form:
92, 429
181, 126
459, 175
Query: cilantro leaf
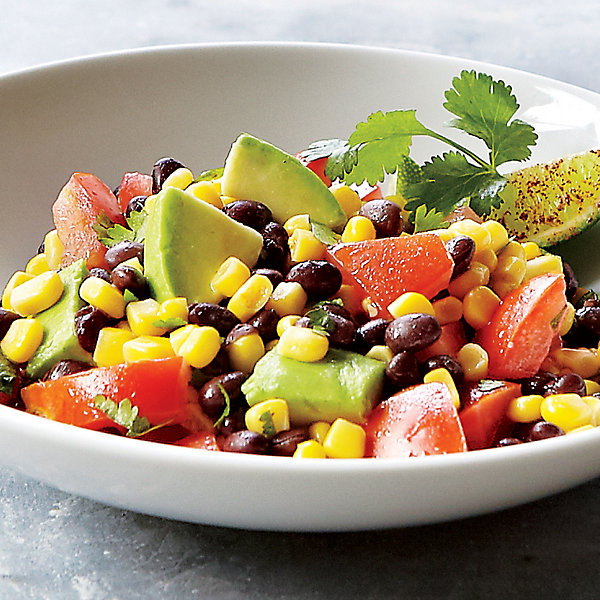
266, 419
110, 233
124, 414
320, 320
409, 172
322, 149
209, 175
324, 234
170, 323
341, 161
425, 220
227, 408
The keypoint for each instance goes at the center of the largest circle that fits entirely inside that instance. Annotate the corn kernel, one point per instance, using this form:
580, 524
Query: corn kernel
513, 249
498, 234
309, 449
318, 431
245, 351
582, 428
206, 191
531, 250
442, 375
22, 339
104, 296
582, 361
508, 274
16, 280
109, 347
297, 222
142, 316
548, 263
37, 265
134, 263
347, 198
525, 409
250, 297
230, 277
288, 298
268, 417
217, 184
200, 345
567, 411
286, 322
147, 347
358, 229
37, 294
350, 298
305, 246
303, 343
474, 361
591, 387
179, 178
345, 440
444, 234
448, 310
476, 275
567, 321
410, 302
380, 352
486, 257
594, 404
53, 249
179, 335
369, 307
173, 308
479, 234
479, 305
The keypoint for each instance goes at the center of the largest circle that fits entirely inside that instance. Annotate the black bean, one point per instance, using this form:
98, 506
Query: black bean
245, 441
412, 332
100, 273
284, 443
570, 280
213, 315
232, 423
272, 256
161, 170
372, 333
333, 308
403, 370
385, 216
252, 214
444, 361
211, 397
239, 331
6, 318
88, 323
266, 323
319, 278
569, 383
343, 332
124, 251
539, 384
274, 276
588, 317
65, 367
508, 441
136, 204
543, 430
276, 232
219, 364
461, 248
125, 277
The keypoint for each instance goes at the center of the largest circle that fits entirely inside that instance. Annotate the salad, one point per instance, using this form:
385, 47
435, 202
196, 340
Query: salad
293, 305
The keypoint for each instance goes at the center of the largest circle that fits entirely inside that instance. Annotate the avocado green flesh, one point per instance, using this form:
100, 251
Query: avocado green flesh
553, 202
343, 384
187, 240
256, 170
60, 340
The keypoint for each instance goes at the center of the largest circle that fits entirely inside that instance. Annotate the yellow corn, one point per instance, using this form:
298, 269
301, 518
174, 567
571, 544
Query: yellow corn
448, 310
508, 274
147, 347
442, 375
548, 263
22, 340
288, 298
142, 316
568, 320
268, 417
104, 296
444, 234
477, 274
380, 352
474, 361
179, 335
531, 250
134, 263
347, 198
37, 265
286, 322
302, 343
109, 347
305, 246
297, 222
567, 411
486, 257
410, 302
479, 305
479, 234
591, 387
198, 346
582, 428
513, 249
179, 178
498, 234
250, 297
358, 229
16, 280
582, 361
594, 404
37, 294
349, 297
245, 351
318, 431
230, 277
369, 307
309, 449
206, 191
173, 308
525, 409
345, 440
53, 249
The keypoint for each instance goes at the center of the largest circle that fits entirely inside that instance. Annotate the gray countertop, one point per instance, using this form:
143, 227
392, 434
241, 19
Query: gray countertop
54, 545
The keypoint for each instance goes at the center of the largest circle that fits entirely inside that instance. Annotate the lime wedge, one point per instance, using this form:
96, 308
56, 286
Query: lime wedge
552, 202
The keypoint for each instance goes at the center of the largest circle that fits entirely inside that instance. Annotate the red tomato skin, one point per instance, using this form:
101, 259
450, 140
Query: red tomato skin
202, 440
520, 334
453, 338
318, 167
418, 421
484, 417
385, 268
75, 212
132, 185
158, 387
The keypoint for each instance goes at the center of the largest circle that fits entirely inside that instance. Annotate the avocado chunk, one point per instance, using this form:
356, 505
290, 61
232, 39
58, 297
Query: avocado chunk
256, 170
343, 384
60, 340
187, 240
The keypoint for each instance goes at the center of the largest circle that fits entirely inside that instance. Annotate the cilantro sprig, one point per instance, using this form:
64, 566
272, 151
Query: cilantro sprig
125, 414
110, 233
482, 107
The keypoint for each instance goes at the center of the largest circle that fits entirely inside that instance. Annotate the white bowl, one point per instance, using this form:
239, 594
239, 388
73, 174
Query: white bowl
117, 113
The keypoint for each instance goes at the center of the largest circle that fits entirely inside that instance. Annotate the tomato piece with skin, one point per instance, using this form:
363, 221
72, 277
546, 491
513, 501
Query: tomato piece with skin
520, 334
385, 268
132, 185
452, 339
75, 212
201, 440
483, 416
418, 421
159, 388
317, 166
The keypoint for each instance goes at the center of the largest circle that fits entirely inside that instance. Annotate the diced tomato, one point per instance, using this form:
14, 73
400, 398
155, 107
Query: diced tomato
367, 192
318, 167
159, 388
483, 416
385, 268
76, 211
520, 334
132, 185
202, 440
453, 338
418, 421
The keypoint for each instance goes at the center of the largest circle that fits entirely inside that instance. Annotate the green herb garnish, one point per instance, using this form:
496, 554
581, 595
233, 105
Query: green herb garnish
170, 323
324, 234
110, 233
209, 175
124, 414
266, 419
227, 408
